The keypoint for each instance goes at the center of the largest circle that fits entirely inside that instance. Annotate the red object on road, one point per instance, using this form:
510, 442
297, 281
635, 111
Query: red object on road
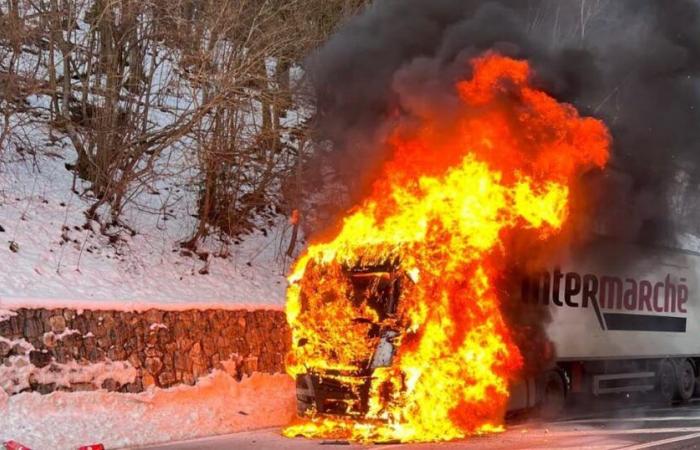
92, 447
13, 445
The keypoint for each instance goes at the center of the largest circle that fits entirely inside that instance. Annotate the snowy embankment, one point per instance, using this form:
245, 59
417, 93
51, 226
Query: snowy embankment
59, 259
59, 262
218, 404
53, 256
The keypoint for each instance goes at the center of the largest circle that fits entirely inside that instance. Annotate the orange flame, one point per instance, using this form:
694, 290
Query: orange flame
453, 191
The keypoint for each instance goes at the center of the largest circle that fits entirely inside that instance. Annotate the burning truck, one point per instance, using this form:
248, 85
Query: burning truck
397, 324
445, 296
616, 327
401, 327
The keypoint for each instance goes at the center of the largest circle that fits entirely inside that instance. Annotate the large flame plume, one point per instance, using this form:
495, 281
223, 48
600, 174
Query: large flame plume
446, 204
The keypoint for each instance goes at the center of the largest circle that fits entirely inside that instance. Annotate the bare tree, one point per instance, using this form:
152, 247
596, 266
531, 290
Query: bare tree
130, 81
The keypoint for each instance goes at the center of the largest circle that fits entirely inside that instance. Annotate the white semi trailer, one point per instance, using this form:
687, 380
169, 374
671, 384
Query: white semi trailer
624, 318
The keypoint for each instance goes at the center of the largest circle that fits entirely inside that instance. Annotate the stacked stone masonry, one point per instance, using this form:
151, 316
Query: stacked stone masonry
159, 348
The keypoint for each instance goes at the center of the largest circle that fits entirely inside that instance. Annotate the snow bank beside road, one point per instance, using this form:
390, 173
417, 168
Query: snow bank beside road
217, 404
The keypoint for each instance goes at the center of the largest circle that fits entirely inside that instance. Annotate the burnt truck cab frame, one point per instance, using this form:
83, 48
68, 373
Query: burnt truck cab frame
336, 392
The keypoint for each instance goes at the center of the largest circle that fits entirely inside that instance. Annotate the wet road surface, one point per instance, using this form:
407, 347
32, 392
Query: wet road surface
609, 426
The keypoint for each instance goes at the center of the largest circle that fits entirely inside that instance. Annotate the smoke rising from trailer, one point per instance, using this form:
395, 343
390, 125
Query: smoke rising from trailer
632, 63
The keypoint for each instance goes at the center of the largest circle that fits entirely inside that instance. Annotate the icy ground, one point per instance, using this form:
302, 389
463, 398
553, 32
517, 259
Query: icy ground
218, 404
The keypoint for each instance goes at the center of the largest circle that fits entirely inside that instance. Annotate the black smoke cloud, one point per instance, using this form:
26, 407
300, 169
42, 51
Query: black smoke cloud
632, 63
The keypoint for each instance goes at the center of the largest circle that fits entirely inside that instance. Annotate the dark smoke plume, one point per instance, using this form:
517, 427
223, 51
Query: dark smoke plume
632, 63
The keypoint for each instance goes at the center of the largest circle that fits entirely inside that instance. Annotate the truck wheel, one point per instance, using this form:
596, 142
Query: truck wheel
696, 393
685, 376
554, 396
666, 384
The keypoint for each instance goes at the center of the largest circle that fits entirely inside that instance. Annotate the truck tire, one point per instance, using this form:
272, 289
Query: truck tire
697, 381
685, 376
666, 382
554, 397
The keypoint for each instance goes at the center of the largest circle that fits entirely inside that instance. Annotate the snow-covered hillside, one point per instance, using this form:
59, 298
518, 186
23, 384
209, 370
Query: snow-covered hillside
177, 139
49, 257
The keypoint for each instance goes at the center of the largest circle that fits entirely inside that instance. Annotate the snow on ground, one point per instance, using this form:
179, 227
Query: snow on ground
218, 404
59, 262
52, 256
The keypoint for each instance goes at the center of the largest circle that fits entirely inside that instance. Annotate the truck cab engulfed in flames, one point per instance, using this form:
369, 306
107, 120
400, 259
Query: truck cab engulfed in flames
345, 391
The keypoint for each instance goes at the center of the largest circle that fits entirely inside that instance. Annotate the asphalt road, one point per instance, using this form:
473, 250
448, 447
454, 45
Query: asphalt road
610, 426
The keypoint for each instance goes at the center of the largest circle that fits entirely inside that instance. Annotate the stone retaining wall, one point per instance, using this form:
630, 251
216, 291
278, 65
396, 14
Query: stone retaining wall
66, 349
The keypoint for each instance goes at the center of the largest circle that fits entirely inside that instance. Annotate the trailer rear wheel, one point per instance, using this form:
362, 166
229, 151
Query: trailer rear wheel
666, 382
554, 396
697, 380
685, 376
